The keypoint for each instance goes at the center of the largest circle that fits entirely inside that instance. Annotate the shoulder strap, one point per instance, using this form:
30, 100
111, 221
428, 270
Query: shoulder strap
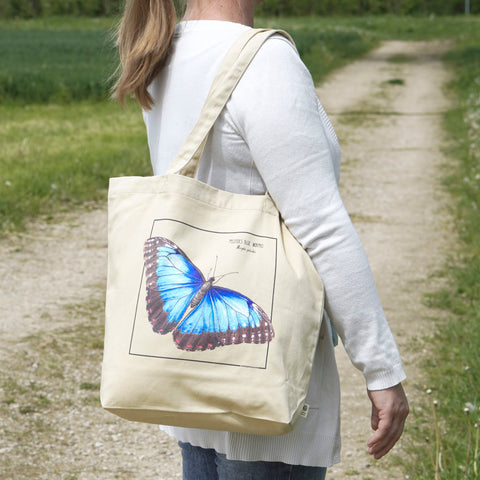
236, 61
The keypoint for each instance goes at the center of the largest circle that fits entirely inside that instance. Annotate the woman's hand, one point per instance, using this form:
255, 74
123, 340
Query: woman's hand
389, 411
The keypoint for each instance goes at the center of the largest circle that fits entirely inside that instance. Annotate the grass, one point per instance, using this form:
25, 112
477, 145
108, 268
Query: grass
61, 140
60, 144
396, 81
72, 60
54, 64
54, 157
458, 28
59, 23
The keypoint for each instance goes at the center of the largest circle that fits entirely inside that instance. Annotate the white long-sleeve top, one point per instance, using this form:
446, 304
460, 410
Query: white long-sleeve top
274, 134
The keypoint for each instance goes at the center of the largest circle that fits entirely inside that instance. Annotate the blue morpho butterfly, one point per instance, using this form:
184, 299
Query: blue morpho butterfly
201, 315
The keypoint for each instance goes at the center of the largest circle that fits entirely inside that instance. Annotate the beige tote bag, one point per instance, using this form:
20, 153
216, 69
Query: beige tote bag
213, 308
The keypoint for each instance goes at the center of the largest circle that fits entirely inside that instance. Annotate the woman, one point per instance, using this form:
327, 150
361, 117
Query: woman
273, 135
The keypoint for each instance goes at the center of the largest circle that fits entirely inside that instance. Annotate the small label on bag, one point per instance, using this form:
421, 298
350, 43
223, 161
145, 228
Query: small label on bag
305, 409
249, 246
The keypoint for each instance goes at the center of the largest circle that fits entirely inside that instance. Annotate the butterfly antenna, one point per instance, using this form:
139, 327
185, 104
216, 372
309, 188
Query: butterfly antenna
224, 275
214, 268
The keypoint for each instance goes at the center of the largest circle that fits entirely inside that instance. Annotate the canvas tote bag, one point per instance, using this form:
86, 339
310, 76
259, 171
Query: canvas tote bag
213, 308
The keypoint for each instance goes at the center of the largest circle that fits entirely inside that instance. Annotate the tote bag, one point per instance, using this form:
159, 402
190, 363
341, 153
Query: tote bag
213, 308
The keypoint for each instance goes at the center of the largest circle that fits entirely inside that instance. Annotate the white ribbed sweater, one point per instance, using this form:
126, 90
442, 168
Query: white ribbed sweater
274, 134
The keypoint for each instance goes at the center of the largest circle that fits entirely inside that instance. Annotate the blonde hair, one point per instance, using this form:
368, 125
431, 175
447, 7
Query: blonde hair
144, 38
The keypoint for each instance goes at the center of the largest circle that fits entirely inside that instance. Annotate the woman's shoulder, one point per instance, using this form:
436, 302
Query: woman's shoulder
280, 47
279, 62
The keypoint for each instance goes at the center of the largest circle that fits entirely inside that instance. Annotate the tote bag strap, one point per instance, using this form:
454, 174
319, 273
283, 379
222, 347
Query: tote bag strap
236, 61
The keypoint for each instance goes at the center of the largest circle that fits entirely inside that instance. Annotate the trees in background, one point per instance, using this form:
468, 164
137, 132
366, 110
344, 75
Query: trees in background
361, 7
34, 8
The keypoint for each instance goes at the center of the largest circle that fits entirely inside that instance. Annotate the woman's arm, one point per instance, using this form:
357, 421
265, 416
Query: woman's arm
276, 111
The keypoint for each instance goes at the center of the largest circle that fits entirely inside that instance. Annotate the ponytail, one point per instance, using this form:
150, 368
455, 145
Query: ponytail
144, 39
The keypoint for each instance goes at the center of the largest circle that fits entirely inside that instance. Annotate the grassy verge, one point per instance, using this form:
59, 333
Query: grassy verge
57, 156
452, 417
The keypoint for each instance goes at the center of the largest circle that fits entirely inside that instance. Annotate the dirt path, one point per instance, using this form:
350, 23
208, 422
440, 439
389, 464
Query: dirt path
387, 110
390, 135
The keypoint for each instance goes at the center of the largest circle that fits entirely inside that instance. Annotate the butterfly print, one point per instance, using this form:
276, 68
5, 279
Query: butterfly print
201, 316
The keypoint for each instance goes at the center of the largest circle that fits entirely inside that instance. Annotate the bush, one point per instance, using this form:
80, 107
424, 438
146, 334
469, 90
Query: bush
35, 8
360, 7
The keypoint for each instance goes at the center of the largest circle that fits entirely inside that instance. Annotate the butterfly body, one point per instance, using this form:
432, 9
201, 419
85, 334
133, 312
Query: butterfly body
201, 293
200, 315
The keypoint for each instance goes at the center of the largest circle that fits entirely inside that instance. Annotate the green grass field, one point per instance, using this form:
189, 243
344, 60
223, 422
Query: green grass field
57, 62
63, 66
61, 136
61, 140
54, 157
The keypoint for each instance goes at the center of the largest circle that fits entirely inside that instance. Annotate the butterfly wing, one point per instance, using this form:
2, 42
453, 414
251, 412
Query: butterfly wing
223, 317
172, 281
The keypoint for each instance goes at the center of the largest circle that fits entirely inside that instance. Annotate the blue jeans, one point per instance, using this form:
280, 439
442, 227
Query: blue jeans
206, 464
